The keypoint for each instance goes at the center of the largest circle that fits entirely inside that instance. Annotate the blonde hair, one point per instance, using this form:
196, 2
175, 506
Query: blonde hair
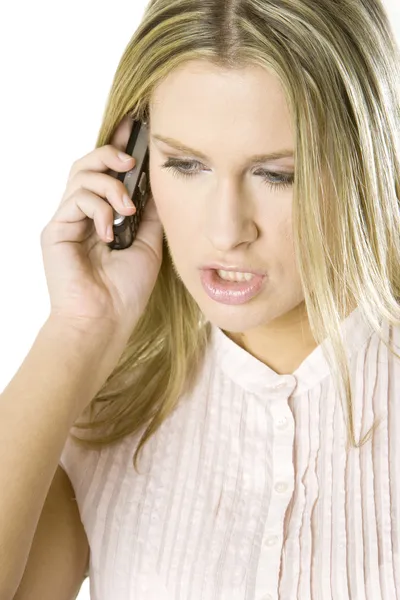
338, 63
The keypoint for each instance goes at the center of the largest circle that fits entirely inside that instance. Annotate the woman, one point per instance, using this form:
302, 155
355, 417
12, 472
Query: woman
255, 362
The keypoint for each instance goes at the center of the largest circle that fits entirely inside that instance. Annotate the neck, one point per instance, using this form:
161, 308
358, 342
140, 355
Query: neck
284, 343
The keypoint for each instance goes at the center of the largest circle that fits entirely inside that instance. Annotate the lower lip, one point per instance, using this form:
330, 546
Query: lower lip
230, 292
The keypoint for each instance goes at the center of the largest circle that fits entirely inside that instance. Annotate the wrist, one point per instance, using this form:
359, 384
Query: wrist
96, 340
85, 353
84, 328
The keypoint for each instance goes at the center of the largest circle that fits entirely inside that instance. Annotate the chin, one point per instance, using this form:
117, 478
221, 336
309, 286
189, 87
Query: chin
239, 318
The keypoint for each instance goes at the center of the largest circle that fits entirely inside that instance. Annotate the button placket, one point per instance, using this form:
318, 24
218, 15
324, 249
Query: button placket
282, 486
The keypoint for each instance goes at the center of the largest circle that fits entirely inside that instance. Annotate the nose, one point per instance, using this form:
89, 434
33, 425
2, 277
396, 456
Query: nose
230, 219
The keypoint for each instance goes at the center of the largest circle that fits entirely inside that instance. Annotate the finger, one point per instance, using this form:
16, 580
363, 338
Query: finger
108, 188
106, 157
122, 132
100, 160
81, 205
150, 233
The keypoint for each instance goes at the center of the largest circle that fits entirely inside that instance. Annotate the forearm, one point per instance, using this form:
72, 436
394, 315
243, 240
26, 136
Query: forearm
62, 372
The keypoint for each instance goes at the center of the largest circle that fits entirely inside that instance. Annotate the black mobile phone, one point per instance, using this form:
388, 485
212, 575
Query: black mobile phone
137, 182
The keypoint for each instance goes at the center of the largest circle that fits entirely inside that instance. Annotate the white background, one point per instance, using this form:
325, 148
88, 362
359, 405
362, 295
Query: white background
57, 62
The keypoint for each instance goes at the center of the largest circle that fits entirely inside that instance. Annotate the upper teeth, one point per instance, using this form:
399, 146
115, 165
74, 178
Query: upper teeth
235, 276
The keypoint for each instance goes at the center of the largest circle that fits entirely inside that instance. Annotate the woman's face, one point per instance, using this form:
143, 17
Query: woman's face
230, 209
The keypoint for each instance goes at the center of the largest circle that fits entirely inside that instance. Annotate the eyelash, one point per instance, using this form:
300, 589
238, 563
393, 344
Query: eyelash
175, 166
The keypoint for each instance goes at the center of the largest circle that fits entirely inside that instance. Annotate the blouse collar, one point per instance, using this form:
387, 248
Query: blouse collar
255, 376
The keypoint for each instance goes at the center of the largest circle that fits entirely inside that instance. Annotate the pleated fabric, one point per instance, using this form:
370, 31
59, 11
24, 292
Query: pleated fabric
247, 491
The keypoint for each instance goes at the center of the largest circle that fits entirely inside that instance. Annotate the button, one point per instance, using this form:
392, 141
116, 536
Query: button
271, 540
281, 384
267, 597
282, 423
281, 487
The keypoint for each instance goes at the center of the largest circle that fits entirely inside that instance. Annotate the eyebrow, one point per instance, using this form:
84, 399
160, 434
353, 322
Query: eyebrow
257, 158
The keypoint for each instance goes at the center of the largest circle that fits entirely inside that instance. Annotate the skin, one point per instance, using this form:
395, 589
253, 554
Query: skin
226, 212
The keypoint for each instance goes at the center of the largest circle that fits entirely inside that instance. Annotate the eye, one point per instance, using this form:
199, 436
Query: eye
177, 167
277, 180
184, 168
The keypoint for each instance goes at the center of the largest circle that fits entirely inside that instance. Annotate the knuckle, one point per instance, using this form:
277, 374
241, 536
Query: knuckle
112, 189
43, 234
74, 168
79, 175
119, 189
48, 233
107, 210
109, 152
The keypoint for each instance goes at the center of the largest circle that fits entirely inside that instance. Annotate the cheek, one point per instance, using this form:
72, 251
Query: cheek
172, 199
163, 198
174, 212
277, 222
287, 256
279, 243
286, 234
159, 194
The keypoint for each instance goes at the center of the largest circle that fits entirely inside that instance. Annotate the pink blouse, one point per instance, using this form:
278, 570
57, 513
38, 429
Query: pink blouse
247, 491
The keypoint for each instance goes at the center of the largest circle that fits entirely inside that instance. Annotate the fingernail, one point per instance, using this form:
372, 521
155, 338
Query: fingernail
110, 233
127, 201
124, 157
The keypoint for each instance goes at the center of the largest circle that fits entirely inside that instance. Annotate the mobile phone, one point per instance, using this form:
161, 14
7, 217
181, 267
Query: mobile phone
137, 182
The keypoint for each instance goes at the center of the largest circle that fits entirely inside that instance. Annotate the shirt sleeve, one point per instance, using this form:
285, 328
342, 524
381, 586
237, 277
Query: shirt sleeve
79, 464
69, 459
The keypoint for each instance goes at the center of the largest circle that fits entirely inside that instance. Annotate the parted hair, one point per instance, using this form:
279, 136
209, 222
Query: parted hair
338, 63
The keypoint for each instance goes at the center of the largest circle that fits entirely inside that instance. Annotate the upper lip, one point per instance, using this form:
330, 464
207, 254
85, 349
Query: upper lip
236, 268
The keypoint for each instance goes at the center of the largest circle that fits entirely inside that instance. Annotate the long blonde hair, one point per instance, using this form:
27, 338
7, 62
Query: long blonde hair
338, 63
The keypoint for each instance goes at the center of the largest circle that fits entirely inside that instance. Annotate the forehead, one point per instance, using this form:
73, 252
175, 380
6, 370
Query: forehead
201, 104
